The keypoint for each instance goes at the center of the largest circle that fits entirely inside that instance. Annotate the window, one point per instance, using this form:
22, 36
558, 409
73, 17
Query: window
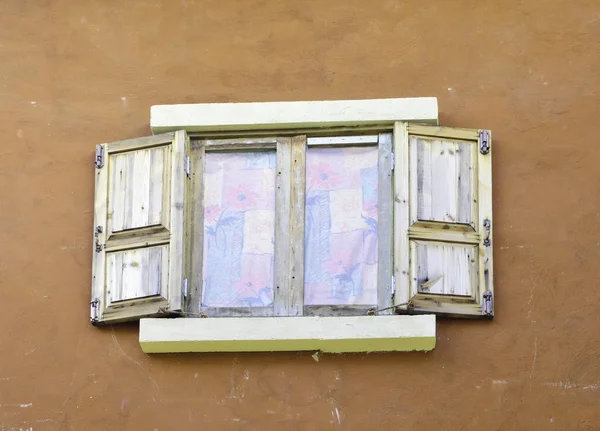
288, 226
388, 219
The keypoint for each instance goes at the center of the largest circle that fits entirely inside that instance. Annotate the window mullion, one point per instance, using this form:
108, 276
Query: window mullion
282, 227
296, 225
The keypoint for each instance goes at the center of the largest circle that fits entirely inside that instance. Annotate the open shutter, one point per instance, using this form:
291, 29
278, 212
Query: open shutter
443, 220
140, 236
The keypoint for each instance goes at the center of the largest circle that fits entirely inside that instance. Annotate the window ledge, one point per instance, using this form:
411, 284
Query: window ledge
260, 334
211, 117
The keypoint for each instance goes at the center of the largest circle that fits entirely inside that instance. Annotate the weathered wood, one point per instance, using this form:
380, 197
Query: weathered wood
283, 203
339, 310
214, 144
234, 312
137, 189
313, 132
385, 234
443, 132
129, 310
179, 190
141, 197
139, 143
486, 267
195, 285
282, 219
343, 140
137, 273
296, 223
444, 269
401, 215
425, 233
448, 255
445, 227
443, 180
147, 239
241, 144
99, 240
445, 306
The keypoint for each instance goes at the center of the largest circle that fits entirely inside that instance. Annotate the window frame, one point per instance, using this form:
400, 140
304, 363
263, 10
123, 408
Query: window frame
334, 334
199, 148
290, 200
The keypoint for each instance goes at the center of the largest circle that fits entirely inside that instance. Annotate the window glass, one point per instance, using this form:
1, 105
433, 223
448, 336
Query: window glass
239, 229
341, 226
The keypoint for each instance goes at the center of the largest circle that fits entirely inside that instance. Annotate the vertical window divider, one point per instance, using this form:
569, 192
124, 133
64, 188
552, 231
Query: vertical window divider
283, 202
295, 299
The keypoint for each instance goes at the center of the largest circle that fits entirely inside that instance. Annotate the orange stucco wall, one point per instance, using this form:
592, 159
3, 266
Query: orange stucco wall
74, 73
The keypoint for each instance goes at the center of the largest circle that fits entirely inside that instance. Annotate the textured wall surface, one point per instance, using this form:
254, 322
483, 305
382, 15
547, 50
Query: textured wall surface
74, 73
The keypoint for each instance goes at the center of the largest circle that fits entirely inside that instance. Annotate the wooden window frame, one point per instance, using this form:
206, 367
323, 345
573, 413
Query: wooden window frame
289, 223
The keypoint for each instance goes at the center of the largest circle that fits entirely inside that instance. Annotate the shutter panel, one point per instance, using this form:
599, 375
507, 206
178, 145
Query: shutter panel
443, 220
140, 237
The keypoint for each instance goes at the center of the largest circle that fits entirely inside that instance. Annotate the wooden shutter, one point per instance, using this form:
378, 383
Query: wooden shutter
140, 239
443, 220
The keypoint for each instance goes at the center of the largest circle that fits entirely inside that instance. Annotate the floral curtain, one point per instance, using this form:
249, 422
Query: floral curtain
341, 226
239, 229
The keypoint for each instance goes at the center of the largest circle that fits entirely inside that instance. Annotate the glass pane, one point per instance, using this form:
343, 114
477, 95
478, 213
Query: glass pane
341, 226
239, 229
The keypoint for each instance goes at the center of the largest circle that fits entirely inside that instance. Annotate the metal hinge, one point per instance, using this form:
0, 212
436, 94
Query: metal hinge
94, 308
393, 285
487, 308
184, 288
99, 246
188, 163
487, 225
393, 161
484, 141
99, 156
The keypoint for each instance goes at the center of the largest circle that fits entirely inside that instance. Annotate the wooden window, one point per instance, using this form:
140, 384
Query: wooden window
288, 226
347, 263
140, 227
372, 222
443, 220
240, 212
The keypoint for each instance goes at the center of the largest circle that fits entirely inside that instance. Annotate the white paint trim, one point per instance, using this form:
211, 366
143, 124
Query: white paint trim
259, 334
205, 117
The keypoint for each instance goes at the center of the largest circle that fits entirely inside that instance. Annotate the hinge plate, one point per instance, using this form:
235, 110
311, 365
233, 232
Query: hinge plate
184, 287
188, 163
94, 306
484, 142
487, 308
99, 157
393, 164
487, 225
393, 285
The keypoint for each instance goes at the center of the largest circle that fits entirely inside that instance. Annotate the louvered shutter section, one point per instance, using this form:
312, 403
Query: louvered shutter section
443, 220
140, 232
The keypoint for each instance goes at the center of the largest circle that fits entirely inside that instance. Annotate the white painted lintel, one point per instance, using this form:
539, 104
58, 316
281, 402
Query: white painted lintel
263, 334
217, 117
